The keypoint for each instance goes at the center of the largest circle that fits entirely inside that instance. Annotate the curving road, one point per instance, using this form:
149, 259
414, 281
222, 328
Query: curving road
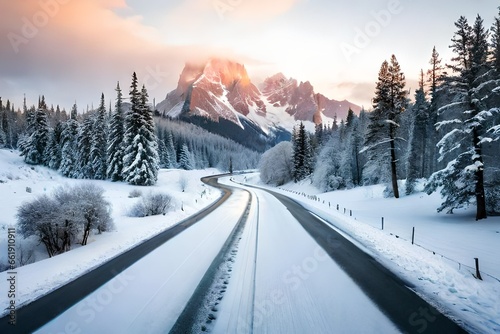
39, 312
289, 272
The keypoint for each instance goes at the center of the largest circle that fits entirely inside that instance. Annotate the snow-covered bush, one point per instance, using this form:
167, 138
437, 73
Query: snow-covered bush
40, 218
58, 220
327, 175
276, 164
152, 204
135, 193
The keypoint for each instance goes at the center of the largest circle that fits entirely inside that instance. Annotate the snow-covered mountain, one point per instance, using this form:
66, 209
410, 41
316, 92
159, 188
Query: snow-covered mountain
220, 96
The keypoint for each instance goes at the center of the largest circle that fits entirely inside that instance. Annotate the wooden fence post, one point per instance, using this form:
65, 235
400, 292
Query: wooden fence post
478, 274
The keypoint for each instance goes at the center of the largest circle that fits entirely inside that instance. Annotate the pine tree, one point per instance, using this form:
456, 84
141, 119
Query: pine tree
141, 161
84, 145
495, 43
172, 156
116, 140
417, 145
302, 160
462, 180
98, 145
69, 166
350, 167
36, 138
162, 151
185, 161
7, 127
461, 46
389, 103
54, 148
3, 137
435, 79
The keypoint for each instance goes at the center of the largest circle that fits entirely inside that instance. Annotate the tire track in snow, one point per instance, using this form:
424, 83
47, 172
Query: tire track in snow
200, 313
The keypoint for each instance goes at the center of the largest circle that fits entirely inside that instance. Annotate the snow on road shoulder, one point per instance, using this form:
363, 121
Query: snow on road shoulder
446, 284
20, 182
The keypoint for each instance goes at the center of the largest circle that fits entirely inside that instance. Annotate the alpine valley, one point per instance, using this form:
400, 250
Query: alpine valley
220, 97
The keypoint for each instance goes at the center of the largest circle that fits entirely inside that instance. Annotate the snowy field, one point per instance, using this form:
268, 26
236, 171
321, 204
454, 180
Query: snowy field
445, 281
439, 266
46, 274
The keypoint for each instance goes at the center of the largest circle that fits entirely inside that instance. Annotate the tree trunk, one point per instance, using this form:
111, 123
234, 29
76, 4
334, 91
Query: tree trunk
86, 231
393, 162
480, 196
356, 159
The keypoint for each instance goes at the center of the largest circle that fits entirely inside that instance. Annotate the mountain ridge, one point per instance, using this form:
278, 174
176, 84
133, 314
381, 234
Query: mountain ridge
221, 90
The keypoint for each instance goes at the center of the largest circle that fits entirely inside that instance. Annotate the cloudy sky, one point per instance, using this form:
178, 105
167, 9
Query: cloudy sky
72, 50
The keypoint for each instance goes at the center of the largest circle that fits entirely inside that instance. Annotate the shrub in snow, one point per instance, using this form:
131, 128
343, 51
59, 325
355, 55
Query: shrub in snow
389, 191
60, 220
276, 164
151, 205
25, 253
135, 193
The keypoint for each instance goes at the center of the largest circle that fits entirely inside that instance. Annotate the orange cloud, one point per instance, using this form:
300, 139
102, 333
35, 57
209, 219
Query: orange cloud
79, 48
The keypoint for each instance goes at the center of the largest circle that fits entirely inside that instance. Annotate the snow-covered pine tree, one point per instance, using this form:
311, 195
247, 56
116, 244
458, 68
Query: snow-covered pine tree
302, 160
3, 137
435, 80
185, 161
462, 180
36, 137
115, 151
69, 152
417, 144
84, 146
150, 138
98, 143
350, 157
141, 161
6, 133
495, 43
54, 147
389, 103
162, 151
172, 156
162, 147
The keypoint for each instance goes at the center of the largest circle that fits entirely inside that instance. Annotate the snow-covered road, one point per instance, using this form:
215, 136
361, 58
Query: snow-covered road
280, 281
298, 287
